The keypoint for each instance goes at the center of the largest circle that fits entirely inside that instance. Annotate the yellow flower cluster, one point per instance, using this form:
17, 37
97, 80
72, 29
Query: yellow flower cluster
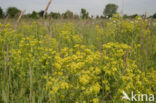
92, 75
62, 64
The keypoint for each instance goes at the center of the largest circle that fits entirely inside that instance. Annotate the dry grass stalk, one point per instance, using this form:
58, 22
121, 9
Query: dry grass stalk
49, 27
88, 21
19, 18
145, 16
59, 47
7, 57
125, 62
46, 9
6, 20
132, 46
143, 35
31, 85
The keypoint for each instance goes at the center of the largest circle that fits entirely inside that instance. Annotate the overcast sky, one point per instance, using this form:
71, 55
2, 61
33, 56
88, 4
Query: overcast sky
94, 7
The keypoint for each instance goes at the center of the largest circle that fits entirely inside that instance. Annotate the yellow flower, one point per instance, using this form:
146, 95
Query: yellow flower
107, 88
96, 88
43, 66
84, 79
95, 100
97, 70
48, 85
84, 102
64, 85
57, 66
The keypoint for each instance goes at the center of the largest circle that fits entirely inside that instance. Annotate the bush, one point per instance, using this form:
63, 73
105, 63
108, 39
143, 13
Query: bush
13, 12
55, 15
1, 13
34, 15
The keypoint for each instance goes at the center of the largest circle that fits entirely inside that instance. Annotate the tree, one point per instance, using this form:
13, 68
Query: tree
41, 13
1, 12
13, 11
133, 16
55, 15
125, 16
34, 15
84, 13
110, 9
76, 16
68, 15
154, 15
97, 17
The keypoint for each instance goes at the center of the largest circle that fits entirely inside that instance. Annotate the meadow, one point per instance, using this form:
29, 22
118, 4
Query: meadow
77, 61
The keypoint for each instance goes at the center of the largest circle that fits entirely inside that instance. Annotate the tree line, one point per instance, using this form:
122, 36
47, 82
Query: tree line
108, 11
14, 12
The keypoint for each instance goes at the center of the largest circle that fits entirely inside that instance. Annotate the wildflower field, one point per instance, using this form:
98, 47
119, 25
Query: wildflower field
81, 61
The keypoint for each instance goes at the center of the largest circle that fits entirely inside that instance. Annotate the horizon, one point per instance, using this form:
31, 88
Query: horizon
94, 8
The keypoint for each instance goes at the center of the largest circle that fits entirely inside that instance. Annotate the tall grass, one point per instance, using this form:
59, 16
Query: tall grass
27, 56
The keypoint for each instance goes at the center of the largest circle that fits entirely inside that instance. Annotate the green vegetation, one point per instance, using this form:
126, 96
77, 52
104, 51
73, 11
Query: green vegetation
13, 12
110, 10
84, 14
70, 58
34, 15
73, 61
1, 13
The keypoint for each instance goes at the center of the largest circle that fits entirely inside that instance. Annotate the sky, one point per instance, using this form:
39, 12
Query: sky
94, 7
